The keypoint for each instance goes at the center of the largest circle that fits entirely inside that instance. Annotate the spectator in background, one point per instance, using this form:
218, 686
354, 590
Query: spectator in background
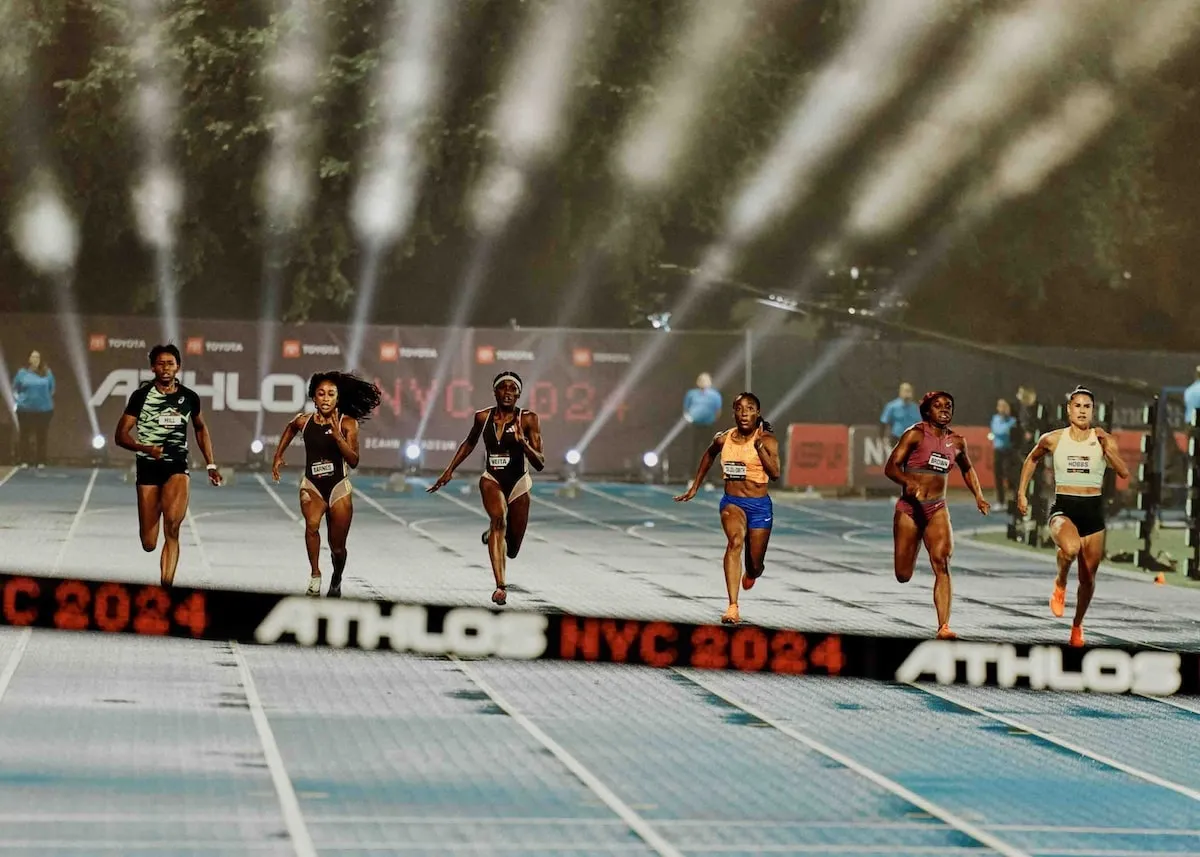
1004, 459
701, 407
33, 388
899, 415
1191, 399
1030, 425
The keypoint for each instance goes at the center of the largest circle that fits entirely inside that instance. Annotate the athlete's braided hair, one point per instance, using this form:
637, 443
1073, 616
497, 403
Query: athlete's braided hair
357, 398
766, 426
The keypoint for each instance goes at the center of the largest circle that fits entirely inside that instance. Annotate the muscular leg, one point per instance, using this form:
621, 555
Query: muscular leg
755, 554
518, 520
1066, 536
337, 528
149, 505
312, 506
495, 506
906, 535
175, 495
939, 542
733, 522
1090, 555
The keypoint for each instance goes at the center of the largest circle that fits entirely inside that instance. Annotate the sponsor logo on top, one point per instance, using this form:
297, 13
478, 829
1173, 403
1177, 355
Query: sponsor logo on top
391, 352
586, 357
101, 341
490, 354
199, 345
293, 348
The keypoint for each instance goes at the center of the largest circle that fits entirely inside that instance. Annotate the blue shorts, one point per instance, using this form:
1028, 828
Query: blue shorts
758, 510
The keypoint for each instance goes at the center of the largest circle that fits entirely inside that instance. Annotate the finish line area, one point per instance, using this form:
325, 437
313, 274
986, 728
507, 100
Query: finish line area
120, 743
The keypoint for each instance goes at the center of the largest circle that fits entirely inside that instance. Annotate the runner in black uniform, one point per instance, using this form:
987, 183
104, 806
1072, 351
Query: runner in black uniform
330, 451
160, 410
511, 437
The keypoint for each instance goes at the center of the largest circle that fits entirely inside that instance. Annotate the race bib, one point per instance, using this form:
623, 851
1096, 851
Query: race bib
939, 462
1079, 464
499, 462
322, 468
734, 469
170, 420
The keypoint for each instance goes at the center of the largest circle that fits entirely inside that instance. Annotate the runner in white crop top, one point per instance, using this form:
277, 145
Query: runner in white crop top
1081, 454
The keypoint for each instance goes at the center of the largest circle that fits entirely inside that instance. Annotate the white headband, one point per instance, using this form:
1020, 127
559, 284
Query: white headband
508, 377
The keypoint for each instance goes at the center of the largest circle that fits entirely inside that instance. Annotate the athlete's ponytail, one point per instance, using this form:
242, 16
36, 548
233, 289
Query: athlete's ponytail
766, 426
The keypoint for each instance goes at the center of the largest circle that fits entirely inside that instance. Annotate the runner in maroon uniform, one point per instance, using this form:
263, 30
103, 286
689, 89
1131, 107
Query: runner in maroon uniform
921, 464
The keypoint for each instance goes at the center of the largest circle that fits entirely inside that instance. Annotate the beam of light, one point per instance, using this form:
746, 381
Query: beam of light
661, 130
528, 127
407, 89
157, 194
46, 236
1007, 58
530, 120
878, 58
6, 390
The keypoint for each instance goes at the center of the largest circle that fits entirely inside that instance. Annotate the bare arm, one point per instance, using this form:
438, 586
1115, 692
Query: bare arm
345, 435
531, 439
285, 439
893, 469
203, 438
706, 461
123, 437
1112, 454
464, 449
1045, 446
767, 448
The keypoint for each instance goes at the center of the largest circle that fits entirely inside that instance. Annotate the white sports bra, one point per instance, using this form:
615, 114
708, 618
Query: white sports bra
1079, 463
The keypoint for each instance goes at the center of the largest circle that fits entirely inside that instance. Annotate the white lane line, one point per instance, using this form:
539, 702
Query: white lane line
62, 551
1066, 745
287, 510
191, 522
626, 813
378, 507
1174, 703
9, 475
289, 804
965, 827
14, 660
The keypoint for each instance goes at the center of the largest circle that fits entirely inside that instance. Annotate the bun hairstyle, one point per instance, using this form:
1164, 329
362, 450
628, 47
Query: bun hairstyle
1081, 391
766, 426
927, 401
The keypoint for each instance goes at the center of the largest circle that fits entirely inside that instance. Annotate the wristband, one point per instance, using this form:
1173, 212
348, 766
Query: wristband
210, 467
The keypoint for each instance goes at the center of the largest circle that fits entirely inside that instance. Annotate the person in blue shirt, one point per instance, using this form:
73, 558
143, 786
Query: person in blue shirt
899, 415
1004, 452
701, 408
33, 388
1191, 398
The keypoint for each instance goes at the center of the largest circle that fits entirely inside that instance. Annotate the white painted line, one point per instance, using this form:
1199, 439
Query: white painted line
626, 813
293, 818
14, 660
287, 510
1174, 703
378, 507
965, 827
9, 475
191, 522
62, 551
1066, 745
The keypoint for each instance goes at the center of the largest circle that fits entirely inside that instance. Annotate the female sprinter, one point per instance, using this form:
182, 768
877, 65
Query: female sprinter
1080, 453
920, 464
330, 451
749, 455
511, 437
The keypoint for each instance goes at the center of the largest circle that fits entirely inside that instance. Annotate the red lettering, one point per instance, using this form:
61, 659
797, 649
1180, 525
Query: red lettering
709, 647
15, 588
828, 655
620, 640
391, 400
458, 399
192, 614
748, 650
581, 399
112, 607
543, 398
423, 396
652, 653
575, 642
151, 605
787, 652
73, 598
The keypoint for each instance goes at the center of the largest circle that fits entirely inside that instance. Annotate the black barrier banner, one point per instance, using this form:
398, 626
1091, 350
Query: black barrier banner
477, 632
